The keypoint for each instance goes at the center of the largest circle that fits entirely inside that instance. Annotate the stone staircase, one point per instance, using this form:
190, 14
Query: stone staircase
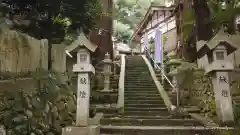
144, 110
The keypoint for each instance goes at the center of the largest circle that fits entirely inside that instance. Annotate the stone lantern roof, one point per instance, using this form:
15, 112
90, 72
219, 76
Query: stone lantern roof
81, 41
221, 38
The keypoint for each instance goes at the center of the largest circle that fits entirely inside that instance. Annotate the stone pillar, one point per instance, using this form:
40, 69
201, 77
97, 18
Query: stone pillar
83, 86
223, 97
83, 68
219, 69
107, 72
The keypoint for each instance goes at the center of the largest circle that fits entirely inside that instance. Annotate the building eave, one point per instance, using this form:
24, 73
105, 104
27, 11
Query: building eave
146, 19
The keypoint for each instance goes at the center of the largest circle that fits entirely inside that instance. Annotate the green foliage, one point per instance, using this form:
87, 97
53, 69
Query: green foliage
223, 11
53, 19
43, 112
197, 84
236, 109
128, 13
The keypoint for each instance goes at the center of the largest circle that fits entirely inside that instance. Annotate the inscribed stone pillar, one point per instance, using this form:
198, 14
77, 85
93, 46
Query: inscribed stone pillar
83, 88
223, 96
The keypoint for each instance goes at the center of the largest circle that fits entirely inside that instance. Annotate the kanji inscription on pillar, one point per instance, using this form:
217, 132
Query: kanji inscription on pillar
223, 96
83, 99
224, 93
223, 79
83, 80
82, 94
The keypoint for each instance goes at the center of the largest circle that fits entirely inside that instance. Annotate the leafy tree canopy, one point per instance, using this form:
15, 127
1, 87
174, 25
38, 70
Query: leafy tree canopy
130, 13
51, 19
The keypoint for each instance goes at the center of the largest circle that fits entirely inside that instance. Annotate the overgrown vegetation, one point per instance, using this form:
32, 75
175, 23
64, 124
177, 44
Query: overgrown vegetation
43, 112
197, 86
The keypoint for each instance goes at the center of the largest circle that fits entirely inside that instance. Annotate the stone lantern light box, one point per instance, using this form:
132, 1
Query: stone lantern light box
219, 66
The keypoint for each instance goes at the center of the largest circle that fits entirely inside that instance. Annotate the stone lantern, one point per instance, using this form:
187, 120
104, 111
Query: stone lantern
83, 67
174, 62
107, 64
219, 66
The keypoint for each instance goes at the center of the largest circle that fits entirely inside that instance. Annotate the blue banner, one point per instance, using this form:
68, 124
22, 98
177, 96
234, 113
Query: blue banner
158, 46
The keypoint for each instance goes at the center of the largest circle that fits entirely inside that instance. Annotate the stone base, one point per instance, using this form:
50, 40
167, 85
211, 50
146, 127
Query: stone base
107, 91
90, 130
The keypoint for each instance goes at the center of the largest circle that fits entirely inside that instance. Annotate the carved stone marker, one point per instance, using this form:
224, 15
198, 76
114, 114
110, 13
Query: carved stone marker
83, 68
219, 68
218, 65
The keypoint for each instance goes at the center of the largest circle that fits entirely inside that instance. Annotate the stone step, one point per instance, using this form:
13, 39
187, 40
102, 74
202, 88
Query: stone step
145, 100
133, 71
142, 94
107, 110
148, 122
140, 89
146, 113
135, 64
144, 105
142, 98
141, 101
140, 86
137, 68
156, 130
138, 81
138, 96
138, 74
145, 109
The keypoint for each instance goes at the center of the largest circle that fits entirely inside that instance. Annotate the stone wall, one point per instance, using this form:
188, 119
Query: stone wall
26, 84
59, 58
20, 53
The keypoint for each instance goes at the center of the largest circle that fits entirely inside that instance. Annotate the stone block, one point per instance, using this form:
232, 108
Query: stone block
90, 130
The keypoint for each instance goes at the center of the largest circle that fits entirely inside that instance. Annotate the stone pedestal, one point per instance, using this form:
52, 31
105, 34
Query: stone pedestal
90, 130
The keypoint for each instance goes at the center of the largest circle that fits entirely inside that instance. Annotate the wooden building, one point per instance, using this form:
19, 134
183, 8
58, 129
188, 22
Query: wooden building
157, 17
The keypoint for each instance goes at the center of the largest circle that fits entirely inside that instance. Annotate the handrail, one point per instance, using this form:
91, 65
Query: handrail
120, 103
159, 68
160, 88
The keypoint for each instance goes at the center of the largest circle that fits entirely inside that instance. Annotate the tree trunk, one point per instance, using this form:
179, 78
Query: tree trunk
202, 14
